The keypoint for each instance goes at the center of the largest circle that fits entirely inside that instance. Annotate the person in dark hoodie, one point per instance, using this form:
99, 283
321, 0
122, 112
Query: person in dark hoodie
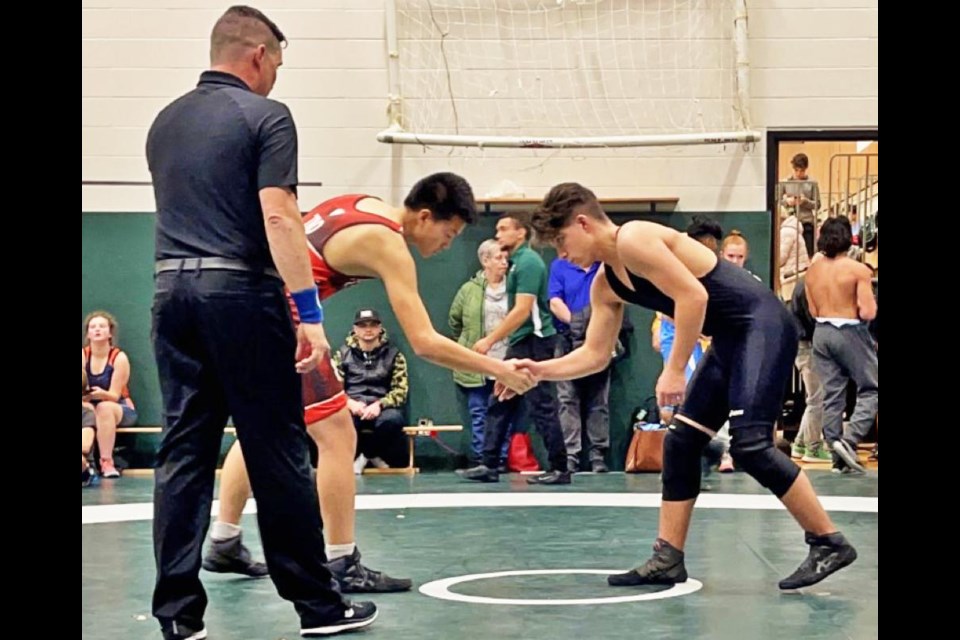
374, 374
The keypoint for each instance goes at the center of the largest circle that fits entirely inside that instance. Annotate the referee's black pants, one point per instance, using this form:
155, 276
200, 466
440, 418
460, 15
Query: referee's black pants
225, 347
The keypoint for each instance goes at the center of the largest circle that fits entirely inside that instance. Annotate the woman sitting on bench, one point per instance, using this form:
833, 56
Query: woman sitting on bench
107, 370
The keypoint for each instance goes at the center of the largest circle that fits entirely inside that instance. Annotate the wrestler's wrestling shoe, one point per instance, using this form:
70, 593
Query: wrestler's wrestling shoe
664, 567
232, 556
828, 554
353, 577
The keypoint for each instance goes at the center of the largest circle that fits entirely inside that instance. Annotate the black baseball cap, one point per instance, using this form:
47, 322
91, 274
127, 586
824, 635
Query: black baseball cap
366, 315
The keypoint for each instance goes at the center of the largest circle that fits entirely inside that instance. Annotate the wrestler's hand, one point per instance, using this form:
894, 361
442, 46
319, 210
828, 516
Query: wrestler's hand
534, 367
312, 345
501, 392
513, 378
671, 387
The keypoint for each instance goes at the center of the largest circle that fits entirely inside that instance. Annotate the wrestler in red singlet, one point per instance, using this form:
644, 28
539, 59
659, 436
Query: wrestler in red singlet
322, 389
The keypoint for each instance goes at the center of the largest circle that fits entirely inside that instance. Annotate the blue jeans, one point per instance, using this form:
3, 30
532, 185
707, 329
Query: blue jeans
477, 399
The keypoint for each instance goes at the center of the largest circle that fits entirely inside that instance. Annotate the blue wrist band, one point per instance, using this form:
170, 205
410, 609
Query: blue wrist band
308, 305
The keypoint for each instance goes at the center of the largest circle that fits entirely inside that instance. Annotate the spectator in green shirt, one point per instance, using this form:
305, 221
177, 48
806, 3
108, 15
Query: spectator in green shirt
529, 326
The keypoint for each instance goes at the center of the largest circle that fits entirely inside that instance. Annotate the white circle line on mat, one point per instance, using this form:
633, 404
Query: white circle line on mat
441, 589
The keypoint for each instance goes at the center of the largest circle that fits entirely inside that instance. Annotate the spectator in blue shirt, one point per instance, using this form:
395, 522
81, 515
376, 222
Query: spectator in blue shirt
583, 402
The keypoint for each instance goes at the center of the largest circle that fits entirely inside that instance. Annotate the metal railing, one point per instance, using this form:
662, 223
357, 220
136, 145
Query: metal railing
850, 187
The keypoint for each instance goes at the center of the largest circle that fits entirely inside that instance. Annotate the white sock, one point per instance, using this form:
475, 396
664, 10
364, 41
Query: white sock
335, 551
224, 531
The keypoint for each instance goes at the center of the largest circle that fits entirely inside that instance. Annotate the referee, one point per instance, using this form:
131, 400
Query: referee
229, 236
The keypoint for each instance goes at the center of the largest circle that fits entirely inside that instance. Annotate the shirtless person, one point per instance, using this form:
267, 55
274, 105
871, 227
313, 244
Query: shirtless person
742, 377
840, 297
355, 237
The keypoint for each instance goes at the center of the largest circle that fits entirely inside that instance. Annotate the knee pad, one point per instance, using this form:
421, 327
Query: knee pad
753, 451
682, 447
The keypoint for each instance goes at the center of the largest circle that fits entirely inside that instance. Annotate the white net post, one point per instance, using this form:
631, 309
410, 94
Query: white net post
568, 73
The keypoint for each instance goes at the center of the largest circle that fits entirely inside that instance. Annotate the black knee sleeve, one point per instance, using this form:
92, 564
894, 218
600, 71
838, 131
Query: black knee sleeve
753, 451
682, 447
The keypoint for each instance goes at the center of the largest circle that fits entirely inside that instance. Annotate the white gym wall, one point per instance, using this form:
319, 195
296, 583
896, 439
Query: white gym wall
814, 64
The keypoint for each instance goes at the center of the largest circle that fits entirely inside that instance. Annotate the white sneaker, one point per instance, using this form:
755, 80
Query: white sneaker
379, 463
359, 464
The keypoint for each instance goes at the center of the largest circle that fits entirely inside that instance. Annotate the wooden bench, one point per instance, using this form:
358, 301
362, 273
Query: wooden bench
412, 432
136, 472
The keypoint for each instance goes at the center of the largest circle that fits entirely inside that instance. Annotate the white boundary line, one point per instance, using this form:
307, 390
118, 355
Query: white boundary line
98, 514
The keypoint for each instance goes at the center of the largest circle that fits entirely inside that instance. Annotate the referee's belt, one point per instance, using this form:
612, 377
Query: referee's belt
210, 263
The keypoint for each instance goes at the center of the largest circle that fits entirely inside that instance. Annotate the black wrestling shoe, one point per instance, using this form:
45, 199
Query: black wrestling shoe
828, 554
353, 577
664, 567
232, 556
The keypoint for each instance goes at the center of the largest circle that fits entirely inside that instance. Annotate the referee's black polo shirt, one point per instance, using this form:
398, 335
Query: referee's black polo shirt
210, 152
